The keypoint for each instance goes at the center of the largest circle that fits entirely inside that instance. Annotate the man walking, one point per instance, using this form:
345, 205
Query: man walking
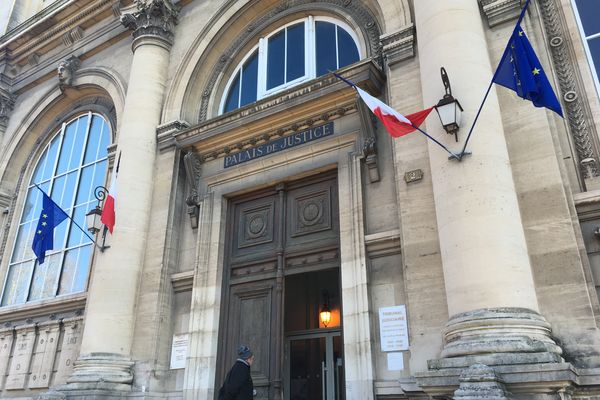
238, 383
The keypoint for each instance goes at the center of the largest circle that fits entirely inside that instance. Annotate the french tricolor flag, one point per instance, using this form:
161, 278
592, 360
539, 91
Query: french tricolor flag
108, 212
396, 124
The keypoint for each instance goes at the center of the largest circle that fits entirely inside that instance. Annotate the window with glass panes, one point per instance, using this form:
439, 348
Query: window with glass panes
588, 16
299, 51
71, 166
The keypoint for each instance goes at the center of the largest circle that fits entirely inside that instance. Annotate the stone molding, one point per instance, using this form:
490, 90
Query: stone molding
399, 45
383, 244
25, 40
357, 11
154, 18
498, 11
278, 132
576, 110
165, 133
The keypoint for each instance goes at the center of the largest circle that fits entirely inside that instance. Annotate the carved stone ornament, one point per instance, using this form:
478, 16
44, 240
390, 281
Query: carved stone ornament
66, 72
154, 18
576, 111
368, 124
7, 103
193, 170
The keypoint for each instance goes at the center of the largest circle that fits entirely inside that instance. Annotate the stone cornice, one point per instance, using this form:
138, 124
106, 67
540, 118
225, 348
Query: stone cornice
319, 100
498, 11
399, 45
41, 33
152, 18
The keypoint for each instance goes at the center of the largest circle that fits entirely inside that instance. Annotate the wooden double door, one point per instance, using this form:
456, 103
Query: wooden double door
281, 267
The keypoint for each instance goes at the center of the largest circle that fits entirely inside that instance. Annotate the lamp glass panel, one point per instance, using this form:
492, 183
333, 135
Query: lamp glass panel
447, 113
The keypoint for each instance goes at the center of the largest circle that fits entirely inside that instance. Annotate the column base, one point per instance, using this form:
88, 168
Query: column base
498, 331
101, 371
498, 353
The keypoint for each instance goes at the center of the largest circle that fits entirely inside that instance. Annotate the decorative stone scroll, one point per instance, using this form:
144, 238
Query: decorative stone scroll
7, 103
153, 18
368, 124
193, 170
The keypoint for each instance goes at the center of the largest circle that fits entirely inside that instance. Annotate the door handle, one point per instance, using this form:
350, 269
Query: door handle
324, 379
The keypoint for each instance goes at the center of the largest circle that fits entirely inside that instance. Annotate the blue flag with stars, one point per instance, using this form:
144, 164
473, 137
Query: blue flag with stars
50, 217
521, 71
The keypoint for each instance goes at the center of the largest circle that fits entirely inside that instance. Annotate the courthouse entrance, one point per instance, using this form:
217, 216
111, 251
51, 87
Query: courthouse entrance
281, 270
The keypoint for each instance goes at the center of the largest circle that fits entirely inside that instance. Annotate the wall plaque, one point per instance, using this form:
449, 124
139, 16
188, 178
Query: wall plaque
393, 328
179, 349
284, 143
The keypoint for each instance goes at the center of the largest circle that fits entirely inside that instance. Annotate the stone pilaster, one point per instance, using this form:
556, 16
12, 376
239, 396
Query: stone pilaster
492, 302
105, 356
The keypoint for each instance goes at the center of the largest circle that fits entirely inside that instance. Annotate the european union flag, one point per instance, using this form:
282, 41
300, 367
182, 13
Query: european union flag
521, 71
50, 217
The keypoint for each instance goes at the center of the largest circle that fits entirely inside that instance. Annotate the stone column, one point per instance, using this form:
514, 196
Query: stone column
107, 338
488, 280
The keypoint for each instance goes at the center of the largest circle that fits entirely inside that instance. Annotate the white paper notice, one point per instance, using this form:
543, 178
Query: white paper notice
395, 361
179, 351
393, 328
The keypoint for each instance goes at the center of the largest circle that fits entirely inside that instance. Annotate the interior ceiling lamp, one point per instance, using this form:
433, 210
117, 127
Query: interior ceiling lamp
92, 218
325, 313
448, 108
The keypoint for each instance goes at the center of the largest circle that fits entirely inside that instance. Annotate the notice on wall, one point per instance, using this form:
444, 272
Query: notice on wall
395, 361
179, 351
393, 328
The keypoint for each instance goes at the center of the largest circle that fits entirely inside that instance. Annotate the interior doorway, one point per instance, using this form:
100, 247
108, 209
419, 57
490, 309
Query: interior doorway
314, 360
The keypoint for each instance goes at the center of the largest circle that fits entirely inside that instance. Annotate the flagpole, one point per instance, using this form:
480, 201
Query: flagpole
75, 222
452, 155
416, 127
462, 153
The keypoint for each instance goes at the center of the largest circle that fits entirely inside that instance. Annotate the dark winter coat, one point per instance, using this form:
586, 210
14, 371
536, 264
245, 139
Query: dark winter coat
238, 383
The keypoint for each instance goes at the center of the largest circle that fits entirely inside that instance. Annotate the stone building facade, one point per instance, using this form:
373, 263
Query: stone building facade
254, 191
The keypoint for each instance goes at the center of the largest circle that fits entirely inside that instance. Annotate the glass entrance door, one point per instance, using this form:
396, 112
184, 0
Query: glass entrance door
314, 367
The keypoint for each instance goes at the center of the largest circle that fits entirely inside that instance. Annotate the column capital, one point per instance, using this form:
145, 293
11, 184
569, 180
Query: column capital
153, 18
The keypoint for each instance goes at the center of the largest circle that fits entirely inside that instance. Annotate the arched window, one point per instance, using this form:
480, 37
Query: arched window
587, 12
299, 51
71, 166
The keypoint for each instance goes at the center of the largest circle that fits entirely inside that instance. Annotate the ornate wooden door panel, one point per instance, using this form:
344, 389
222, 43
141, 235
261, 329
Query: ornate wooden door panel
285, 229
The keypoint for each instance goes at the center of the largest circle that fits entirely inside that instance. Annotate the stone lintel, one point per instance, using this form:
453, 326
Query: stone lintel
499, 11
322, 99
